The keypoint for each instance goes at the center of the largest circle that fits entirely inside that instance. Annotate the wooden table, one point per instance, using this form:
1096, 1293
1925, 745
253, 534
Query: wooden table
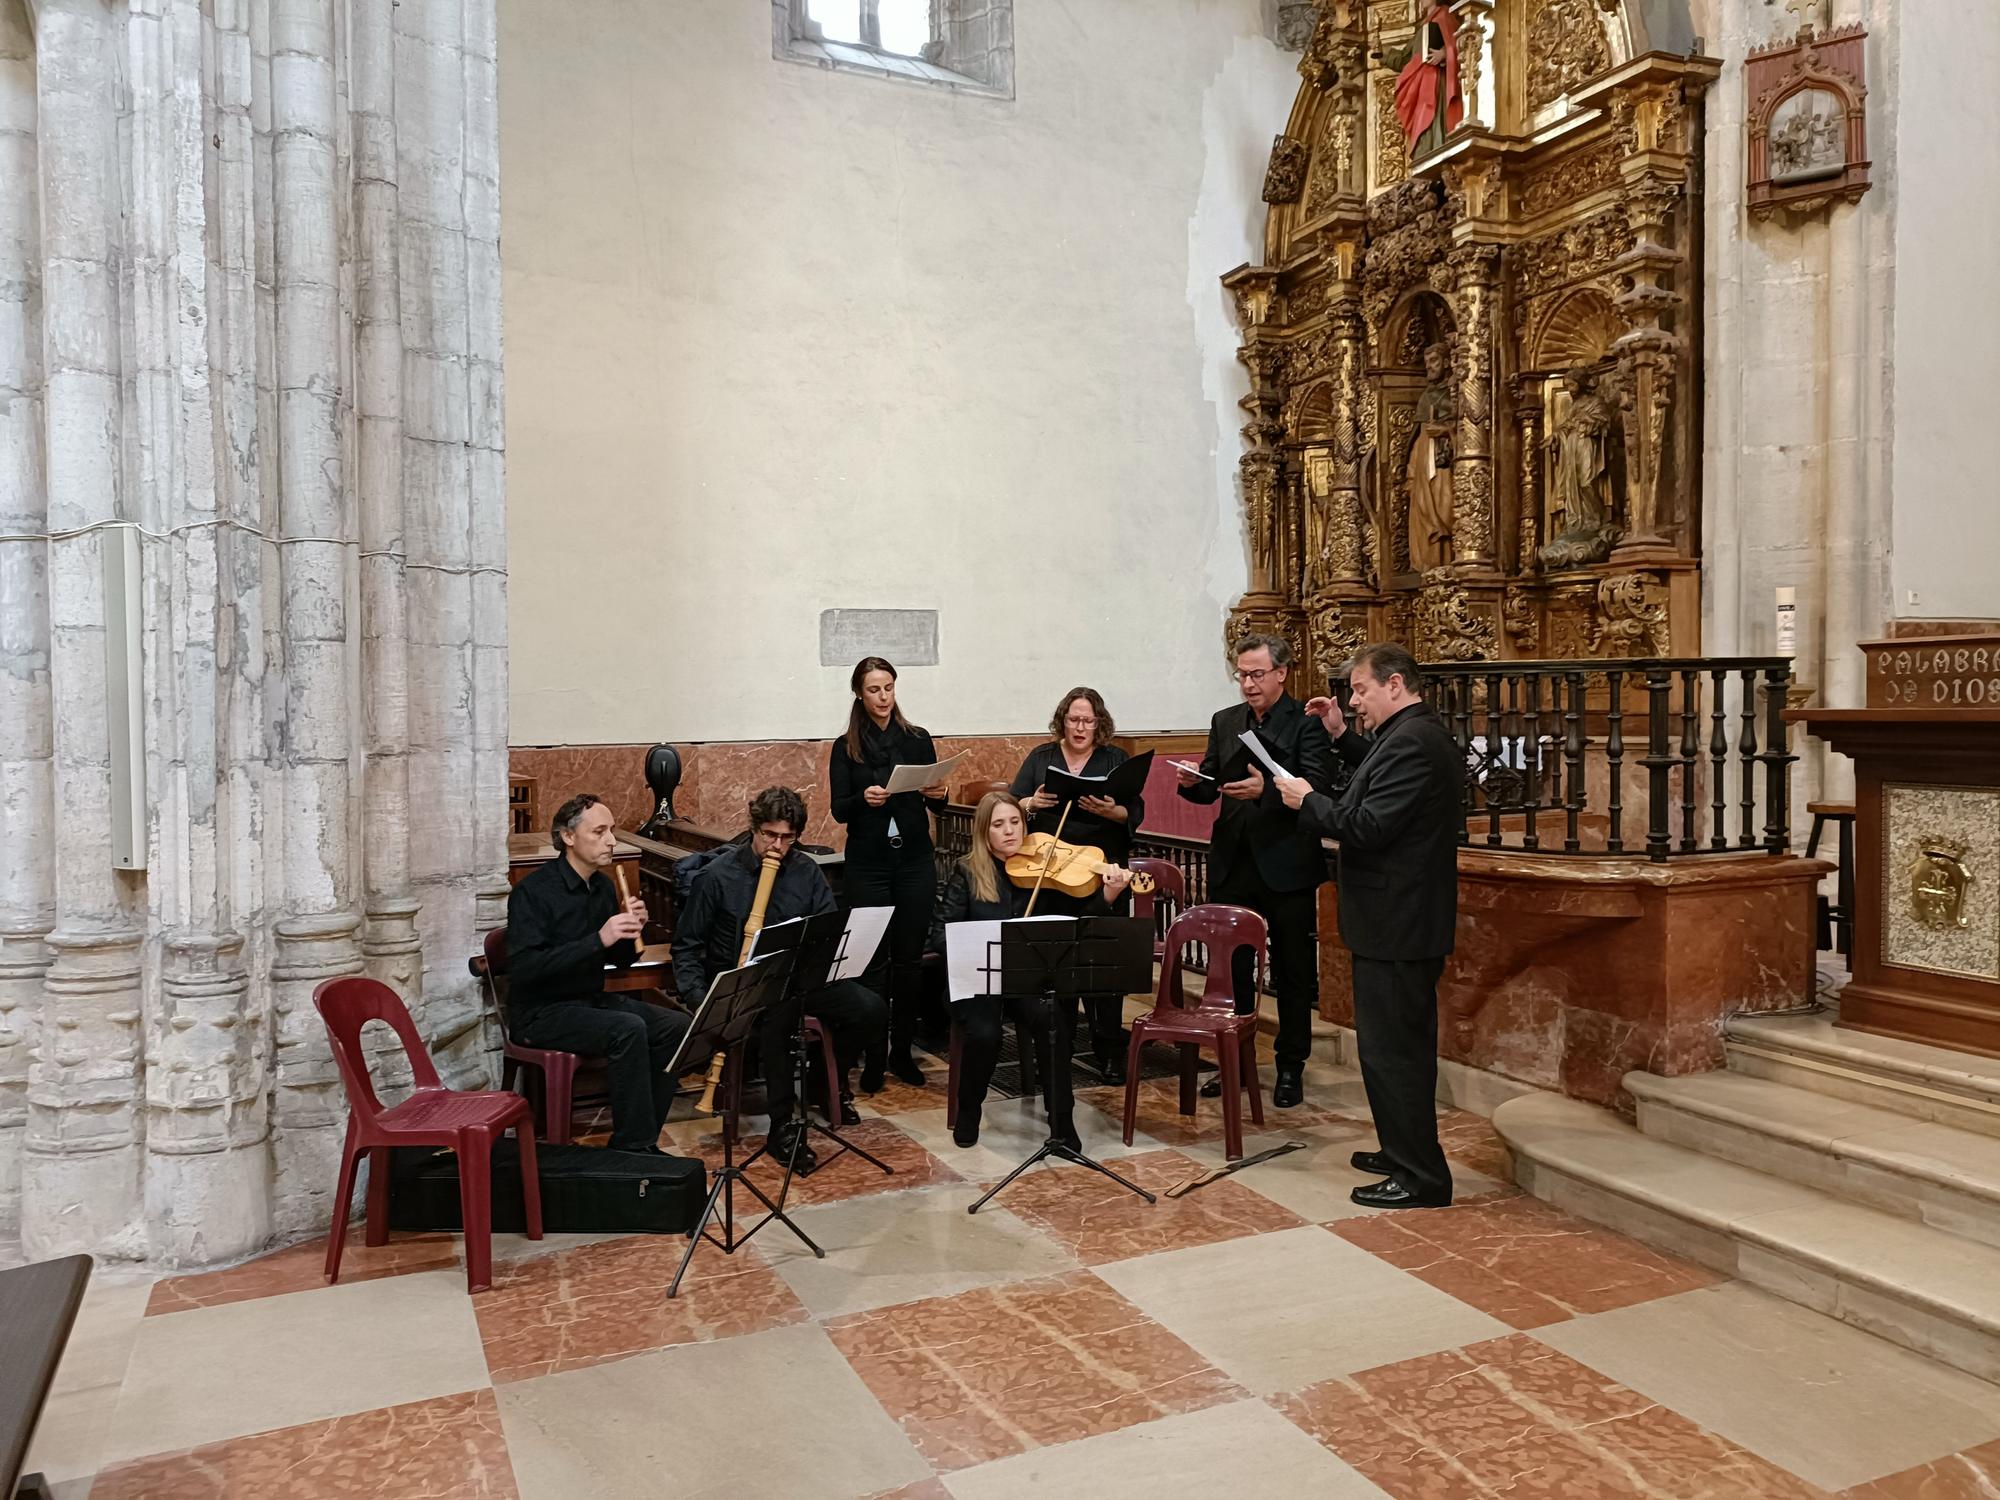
38, 1306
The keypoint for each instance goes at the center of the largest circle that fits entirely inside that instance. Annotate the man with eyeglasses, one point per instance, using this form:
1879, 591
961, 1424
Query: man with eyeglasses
708, 939
1259, 856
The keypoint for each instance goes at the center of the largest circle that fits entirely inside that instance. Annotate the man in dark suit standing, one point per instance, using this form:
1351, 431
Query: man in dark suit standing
1398, 825
1259, 856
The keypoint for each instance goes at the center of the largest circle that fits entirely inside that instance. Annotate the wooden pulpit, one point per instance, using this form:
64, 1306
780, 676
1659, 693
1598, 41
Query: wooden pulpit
1926, 754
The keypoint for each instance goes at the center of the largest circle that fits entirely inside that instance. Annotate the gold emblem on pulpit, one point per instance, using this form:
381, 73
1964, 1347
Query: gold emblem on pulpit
1939, 881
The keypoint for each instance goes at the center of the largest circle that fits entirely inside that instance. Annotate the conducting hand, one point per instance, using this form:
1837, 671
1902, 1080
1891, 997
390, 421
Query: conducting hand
875, 796
1327, 711
1295, 790
621, 927
1102, 807
1249, 789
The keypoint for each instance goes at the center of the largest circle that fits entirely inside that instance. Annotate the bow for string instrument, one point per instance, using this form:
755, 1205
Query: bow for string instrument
767, 876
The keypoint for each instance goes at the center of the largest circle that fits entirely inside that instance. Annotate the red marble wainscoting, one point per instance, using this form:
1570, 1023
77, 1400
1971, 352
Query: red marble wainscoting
1570, 973
717, 779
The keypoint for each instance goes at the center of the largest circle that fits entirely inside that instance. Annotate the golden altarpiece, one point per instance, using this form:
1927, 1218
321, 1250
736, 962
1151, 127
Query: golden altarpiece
1474, 408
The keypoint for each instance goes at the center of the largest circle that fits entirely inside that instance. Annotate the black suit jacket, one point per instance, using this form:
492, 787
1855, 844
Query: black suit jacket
1398, 825
1266, 831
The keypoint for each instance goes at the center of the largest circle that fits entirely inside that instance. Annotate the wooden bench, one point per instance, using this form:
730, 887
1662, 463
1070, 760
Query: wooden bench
38, 1307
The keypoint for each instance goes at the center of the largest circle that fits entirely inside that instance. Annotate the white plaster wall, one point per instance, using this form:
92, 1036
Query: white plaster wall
781, 340
1947, 170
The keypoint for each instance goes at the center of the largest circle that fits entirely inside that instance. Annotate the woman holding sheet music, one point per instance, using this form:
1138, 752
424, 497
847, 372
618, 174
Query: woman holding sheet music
889, 859
978, 889
1082, 747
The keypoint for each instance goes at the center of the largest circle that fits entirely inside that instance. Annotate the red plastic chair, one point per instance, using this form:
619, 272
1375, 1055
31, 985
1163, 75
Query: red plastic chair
433, 1115
551, 1088
1170, 885
819, 1035
1212, 1023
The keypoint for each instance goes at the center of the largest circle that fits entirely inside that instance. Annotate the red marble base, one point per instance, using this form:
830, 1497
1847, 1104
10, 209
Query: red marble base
1570, 973
717, 779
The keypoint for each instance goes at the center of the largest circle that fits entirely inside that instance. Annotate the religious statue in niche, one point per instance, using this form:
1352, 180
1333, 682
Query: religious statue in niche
1808, 136
1580, 448
1429, 469
1319, 491
1429, 101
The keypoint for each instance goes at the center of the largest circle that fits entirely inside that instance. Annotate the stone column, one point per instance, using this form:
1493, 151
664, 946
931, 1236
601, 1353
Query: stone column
1472, 460
27, 787
392, 948
80, 1170
430, 126
487, 443
316, 939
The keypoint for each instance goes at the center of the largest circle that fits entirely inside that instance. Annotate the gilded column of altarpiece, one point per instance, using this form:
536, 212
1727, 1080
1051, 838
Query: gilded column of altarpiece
1473, 422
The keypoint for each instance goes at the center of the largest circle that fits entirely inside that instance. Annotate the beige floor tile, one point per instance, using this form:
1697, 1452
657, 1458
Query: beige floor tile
70, 1437
770, 1414
1245, 1448
1279, 1311
100, 1343
1009, 1131
1832, 1404
902, 1247
220, 1372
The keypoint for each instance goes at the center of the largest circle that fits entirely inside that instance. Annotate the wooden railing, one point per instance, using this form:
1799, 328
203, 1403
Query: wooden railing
1558, 753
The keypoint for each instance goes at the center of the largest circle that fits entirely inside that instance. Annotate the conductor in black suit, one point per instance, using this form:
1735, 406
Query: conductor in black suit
1397, 825
1259, 855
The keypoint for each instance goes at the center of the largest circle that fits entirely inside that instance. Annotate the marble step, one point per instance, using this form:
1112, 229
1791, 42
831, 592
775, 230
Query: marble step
1932, 1173
1926, 1083
1930, 1291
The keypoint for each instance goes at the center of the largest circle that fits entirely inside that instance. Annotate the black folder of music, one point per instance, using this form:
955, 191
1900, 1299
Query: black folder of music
1123, 783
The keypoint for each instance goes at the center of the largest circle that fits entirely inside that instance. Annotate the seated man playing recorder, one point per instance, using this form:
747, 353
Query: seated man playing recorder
708, 940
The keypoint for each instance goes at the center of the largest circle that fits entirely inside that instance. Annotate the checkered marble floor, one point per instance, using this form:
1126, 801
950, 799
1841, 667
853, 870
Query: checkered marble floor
1261, 1335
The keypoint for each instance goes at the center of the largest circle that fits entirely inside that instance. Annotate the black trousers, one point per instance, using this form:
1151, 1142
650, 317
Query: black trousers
1396, 1023
856, 1016
1293, 917
636, 1041
908, 883
981, 1017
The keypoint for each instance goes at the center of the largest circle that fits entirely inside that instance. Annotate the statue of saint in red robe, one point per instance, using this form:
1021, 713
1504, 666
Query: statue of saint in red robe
1428, 100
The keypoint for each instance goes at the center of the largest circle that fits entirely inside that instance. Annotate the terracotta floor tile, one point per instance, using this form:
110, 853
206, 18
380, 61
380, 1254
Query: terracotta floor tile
1001, 1370
449, 1448
1160, 1112
1099, 1221
1521, 1261
599, 1302
301, 1267
1512, 1418
896, 1097
1971, 1475
1471, 1139
849, 1177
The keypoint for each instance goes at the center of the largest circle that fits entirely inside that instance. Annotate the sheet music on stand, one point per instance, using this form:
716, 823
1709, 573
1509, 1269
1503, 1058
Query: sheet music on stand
864, 929
972, 954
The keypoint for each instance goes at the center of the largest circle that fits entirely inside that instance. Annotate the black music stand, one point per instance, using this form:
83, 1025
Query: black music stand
726, 1020
818, 944
1080, 958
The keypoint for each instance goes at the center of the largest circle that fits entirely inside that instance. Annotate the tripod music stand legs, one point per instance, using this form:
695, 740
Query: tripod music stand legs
1053, 1147
801, 1073
723, 1192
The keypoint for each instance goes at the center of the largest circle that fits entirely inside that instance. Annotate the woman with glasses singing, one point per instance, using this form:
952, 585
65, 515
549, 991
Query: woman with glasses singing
1082, 746
889, 858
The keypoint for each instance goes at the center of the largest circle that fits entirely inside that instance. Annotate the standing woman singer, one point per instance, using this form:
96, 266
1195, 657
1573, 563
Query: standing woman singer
889, 858
1082, 746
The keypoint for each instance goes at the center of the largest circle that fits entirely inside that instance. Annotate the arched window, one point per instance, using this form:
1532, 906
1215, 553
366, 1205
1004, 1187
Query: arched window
965, 45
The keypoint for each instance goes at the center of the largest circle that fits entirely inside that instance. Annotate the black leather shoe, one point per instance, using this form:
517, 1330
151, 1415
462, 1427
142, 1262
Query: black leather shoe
1390, 1193
1290, 1089
788, 1142
905, 1067
1065, 1135
871, 1078
849, 1115
966, 1131
1112, 1066
1371, 1161
1213, 1088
